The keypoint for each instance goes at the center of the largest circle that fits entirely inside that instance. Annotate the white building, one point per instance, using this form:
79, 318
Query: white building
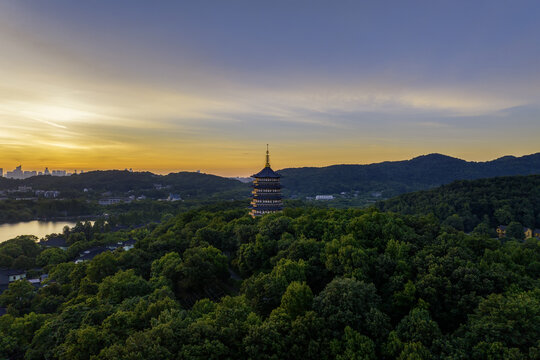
52, 194
174, 197
110, 201
324, 197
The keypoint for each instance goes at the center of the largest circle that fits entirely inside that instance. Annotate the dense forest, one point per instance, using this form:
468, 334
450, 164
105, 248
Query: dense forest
486, 203
397, 177
186, 184
79, 194
129, 213
26, 210
213, 283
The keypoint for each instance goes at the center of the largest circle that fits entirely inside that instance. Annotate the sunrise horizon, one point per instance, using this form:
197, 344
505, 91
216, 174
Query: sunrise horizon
230, 172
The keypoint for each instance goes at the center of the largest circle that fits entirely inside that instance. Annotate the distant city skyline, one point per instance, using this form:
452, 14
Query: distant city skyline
205, 85
19, 173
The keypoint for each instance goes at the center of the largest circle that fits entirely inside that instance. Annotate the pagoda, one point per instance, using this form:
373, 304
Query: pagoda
267, 191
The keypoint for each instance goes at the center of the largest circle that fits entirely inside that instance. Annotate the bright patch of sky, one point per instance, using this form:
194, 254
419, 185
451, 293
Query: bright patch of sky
169, 86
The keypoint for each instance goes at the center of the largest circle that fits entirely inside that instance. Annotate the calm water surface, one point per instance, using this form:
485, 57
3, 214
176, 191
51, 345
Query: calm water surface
37, 228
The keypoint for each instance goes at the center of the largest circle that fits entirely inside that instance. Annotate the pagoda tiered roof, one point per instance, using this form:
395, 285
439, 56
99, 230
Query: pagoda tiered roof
267, 172
267, 185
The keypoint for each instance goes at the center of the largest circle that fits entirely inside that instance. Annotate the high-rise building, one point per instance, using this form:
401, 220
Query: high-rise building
267, 190
16, 174
1, 172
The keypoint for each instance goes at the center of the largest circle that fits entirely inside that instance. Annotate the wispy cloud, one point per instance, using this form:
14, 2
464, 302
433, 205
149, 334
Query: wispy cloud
44, 121
432, 124
77, 93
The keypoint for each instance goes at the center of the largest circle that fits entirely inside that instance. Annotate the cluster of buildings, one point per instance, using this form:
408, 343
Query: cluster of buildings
47, 194
22, 192
106, 201
91, 253
113, 201
19, 174
7, 276
527, 232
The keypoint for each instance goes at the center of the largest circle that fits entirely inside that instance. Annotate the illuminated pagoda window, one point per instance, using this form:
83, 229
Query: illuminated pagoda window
266, 190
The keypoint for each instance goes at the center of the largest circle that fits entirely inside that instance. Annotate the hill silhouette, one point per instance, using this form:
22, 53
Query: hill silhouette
116, 181
397, 177
390, 177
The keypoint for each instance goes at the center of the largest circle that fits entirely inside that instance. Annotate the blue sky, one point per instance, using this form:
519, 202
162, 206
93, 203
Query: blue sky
205, 85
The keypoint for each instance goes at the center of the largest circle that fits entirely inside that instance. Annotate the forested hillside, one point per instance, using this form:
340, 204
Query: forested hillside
115, 181
466, 204
301, 284
79, 194
391, 178
398, 177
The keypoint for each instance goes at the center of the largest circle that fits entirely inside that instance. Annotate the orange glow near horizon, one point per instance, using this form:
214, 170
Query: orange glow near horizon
226, 164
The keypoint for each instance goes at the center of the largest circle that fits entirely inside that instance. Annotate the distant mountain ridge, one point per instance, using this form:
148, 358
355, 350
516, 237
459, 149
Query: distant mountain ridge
390, 177
397, 177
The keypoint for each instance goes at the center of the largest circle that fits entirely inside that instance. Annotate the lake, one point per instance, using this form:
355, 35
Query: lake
37, 228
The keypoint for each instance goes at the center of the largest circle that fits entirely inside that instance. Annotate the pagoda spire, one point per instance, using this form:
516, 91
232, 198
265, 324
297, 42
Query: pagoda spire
267, 157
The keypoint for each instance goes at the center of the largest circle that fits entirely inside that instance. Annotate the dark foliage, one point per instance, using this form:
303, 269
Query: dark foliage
214, 283
466, 204
187, 183
26, 210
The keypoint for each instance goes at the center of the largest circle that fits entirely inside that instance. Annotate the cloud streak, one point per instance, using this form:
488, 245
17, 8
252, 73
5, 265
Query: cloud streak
323, 83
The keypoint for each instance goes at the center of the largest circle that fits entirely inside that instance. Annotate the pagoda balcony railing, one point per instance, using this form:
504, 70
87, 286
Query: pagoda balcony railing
263, 200
257, 192
267, 186
267, 191
270, 202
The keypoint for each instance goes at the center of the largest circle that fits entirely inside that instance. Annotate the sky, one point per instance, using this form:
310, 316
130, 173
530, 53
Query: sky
205, 85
